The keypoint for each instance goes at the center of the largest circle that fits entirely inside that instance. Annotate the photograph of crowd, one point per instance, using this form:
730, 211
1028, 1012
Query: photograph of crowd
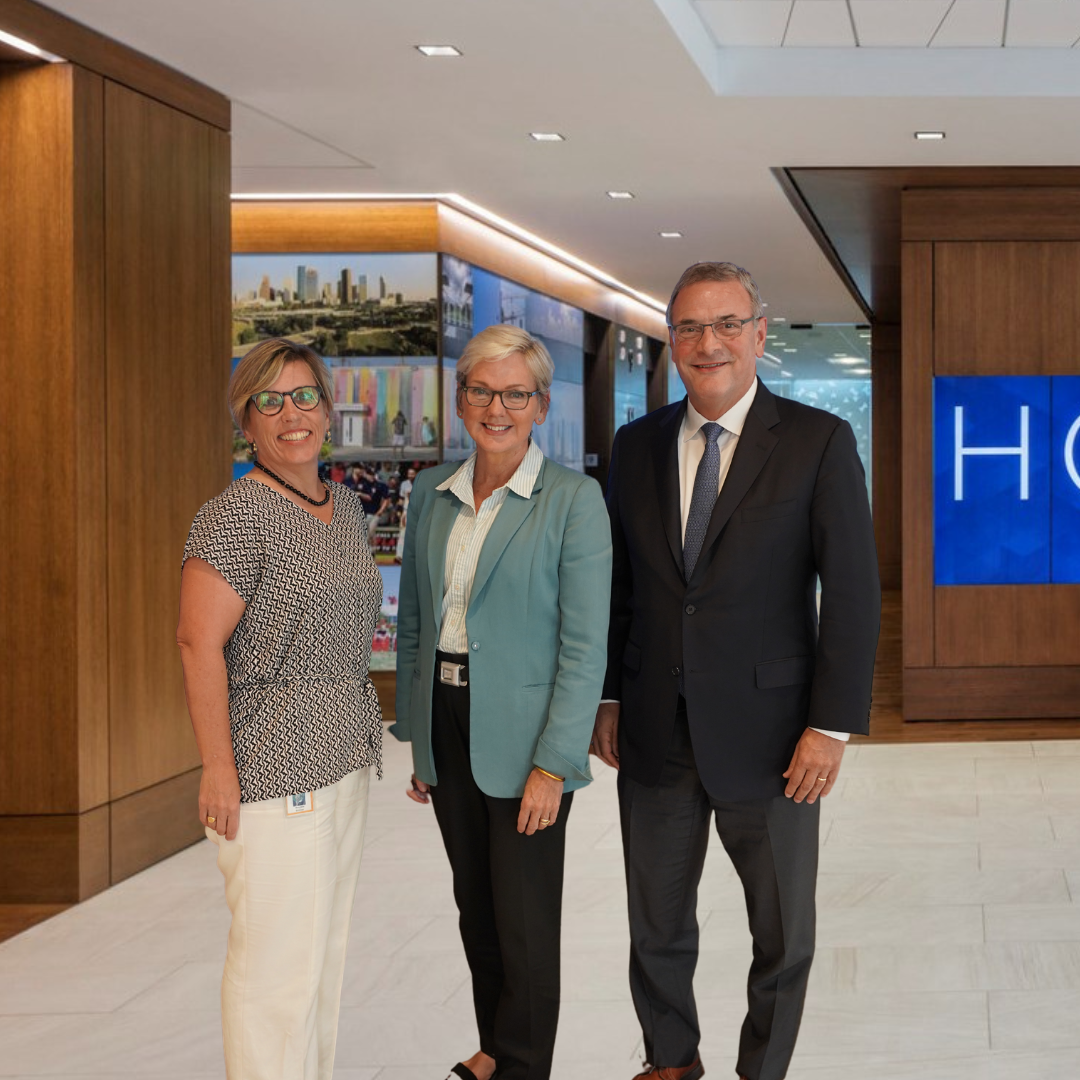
384, 487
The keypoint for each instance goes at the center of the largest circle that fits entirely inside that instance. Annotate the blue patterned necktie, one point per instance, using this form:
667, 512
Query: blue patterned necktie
706, 488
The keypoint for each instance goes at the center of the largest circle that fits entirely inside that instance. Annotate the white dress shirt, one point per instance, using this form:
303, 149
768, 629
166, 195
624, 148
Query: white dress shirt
467, 536
691, 450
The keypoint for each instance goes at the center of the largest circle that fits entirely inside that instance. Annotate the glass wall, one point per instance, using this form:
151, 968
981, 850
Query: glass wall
827, 366
631, 351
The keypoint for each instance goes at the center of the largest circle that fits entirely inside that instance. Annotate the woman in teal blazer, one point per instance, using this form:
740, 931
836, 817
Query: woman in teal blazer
502, 641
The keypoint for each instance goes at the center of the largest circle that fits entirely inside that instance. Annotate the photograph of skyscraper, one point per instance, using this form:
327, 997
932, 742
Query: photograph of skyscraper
340, 305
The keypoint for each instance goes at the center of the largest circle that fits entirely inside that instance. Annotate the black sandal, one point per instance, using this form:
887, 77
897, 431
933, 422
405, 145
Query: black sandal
463, 1071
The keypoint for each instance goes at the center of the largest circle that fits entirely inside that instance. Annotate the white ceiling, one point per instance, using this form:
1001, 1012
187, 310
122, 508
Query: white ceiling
332, 96
892, 23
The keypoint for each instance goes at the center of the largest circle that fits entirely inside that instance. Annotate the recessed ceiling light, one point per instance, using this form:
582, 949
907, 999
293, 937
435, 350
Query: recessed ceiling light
673, 235
620, 194
28, 47
778, 318
846, 361
778, 344
787, 374
547, 136
438, 50
791, 350
930, 136
859, 371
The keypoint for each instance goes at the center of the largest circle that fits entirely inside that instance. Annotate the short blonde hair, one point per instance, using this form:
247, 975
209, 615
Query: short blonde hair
259, 370
500, 341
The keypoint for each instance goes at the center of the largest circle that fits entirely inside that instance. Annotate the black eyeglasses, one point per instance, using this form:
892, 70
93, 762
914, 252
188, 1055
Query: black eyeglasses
724, 328
482, 397
270, 402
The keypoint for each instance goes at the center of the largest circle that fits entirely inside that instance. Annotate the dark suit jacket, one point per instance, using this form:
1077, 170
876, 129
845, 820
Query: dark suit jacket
743, 635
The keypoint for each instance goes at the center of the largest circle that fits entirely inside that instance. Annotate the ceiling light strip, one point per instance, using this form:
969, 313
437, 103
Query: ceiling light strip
29, 47
473, 210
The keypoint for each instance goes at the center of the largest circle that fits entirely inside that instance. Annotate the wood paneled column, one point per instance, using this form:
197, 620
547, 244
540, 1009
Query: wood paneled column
114, 326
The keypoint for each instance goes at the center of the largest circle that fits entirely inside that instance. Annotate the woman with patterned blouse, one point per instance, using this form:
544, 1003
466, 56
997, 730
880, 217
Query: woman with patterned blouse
278, 601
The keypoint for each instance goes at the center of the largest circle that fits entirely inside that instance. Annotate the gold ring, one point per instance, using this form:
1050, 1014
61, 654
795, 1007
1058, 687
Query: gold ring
823, 779
545, 821
210, 820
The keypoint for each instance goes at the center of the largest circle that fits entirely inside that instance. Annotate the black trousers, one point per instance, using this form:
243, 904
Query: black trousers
508, 889
773, 844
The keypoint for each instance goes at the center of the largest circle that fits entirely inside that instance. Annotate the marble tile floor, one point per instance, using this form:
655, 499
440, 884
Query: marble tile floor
949, 941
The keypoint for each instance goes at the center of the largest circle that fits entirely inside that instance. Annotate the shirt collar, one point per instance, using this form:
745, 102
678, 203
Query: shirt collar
733, 420
521, 483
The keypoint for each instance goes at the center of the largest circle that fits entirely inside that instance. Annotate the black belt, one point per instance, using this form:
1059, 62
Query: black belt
451, 669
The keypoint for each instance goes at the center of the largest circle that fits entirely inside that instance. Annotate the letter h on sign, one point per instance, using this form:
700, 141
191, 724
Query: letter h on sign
1007, 486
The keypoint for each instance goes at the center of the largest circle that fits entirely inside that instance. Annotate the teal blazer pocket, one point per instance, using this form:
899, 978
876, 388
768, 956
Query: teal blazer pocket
789, 672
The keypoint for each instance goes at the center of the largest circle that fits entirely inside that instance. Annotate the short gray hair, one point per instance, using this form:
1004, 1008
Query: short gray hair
718, 271
500, 341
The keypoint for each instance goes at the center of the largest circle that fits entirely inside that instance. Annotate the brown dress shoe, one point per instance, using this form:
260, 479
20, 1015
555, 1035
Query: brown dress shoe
687, 1072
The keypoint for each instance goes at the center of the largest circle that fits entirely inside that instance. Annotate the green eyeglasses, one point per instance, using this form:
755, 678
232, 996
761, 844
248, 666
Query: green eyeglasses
269, 402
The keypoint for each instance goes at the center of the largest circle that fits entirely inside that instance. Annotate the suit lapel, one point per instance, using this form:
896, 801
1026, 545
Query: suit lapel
443, 514
755, 445
667, 481
510, 518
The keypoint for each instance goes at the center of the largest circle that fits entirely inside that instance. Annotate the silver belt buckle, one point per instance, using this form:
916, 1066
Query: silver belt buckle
451, 673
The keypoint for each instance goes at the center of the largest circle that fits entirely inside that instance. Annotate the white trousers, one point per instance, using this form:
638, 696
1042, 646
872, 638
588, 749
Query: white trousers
289, 883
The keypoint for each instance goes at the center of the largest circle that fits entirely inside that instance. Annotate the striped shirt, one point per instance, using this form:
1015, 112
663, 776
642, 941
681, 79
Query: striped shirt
467, 540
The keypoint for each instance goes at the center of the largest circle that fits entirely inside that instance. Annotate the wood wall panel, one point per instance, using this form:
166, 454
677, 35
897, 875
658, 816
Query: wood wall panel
1007, 626
917, 489
167, 369
38, 540
981, 693
153, 824
992, 213
88, 464
885, 396
984, 289
332, 226
54, 858
1005, 274
87, 48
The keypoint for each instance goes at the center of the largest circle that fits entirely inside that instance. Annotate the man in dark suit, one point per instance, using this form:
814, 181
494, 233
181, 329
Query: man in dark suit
726, 697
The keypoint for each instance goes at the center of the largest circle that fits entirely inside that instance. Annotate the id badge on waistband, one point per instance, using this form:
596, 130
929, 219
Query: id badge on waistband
303, 803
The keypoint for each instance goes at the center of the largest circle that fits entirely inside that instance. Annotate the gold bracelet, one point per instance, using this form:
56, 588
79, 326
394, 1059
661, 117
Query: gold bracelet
561, 779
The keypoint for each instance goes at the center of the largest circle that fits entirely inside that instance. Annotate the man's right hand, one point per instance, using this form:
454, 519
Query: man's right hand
605, 740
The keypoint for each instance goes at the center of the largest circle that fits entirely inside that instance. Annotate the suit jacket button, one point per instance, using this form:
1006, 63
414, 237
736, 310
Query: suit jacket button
676, 670
690, 609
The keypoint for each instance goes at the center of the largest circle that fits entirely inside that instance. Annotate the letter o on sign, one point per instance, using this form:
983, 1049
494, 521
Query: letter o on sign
1070, 452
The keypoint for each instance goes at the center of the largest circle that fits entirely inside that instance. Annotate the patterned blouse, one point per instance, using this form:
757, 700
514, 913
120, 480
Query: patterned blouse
302, 709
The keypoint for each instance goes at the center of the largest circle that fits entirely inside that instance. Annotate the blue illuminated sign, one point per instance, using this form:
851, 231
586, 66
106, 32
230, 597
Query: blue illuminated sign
1006, 480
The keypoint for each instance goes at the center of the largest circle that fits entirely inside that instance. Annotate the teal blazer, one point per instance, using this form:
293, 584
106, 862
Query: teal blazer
537, 623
